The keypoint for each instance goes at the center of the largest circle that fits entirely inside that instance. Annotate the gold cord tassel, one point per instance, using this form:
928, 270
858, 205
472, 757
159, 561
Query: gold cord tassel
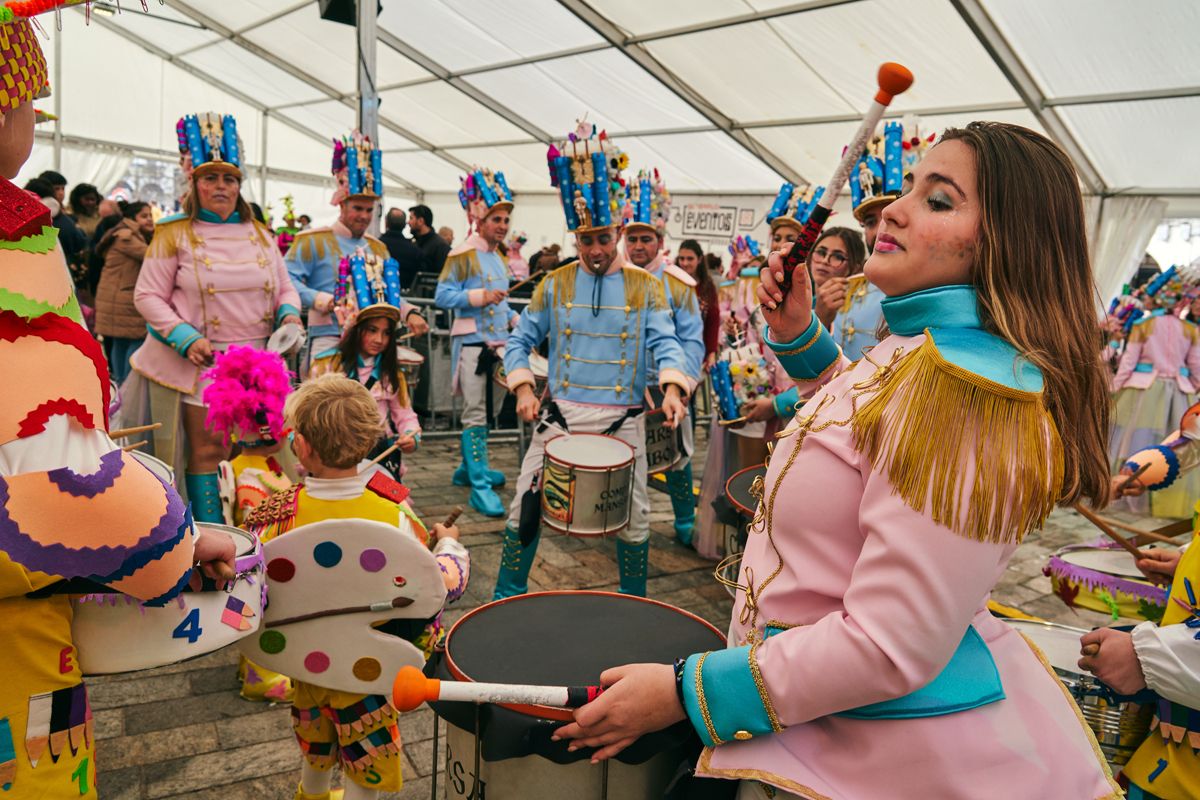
933, 420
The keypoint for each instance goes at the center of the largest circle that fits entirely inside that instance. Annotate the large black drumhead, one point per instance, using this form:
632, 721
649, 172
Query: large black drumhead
569, 638
737, 489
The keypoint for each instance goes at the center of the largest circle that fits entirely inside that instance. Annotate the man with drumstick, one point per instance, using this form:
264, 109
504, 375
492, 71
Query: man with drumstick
649, 202
474, 283
312, 261
605, 320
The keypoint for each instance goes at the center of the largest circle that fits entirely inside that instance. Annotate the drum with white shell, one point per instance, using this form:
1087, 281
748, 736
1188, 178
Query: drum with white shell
587, 484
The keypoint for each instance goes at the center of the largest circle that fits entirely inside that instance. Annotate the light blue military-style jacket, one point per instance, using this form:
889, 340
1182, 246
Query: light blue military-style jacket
859, 317
603, 332
471, 270
680, 291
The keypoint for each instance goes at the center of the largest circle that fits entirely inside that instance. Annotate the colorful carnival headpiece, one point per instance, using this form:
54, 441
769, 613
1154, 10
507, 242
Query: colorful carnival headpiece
878, 176
745, 253
23, 68
358, 168
793, 206
481, 192
209, 142
586, 170
647, 202
1172, 290
367, 286
246, 396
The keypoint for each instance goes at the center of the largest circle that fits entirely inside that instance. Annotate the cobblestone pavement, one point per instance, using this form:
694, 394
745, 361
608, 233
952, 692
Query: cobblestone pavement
183, 731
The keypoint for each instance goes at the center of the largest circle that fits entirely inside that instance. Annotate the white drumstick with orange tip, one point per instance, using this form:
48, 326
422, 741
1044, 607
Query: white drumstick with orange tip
412, 688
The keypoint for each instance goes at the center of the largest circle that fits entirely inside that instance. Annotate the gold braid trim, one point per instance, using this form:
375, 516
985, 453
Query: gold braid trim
1007, 434
378, 248
761, 685
682, 295
708, 723
1140, 332
167, 236
563, 280
852, 285
460, 266
643, 290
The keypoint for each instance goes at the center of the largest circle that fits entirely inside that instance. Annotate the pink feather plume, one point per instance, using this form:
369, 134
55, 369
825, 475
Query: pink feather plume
245, 380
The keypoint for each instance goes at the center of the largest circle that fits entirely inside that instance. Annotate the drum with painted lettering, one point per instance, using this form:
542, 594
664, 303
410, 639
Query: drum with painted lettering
587, 484
117, 633
664, 446
506, 749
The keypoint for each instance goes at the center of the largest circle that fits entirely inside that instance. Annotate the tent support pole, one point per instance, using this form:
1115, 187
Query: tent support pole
57, 91
368, 93
262, 159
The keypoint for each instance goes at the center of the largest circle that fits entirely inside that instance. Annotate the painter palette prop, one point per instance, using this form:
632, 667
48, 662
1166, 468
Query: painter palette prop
116, 633
1104, 579
1120, 726
331, 582
587, 484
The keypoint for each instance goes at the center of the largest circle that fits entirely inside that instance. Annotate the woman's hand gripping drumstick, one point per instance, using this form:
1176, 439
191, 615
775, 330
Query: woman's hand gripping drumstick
411, 688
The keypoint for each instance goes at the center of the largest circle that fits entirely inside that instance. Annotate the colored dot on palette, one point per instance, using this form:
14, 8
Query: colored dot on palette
372, 560
272, 642
316, 661
327, 554
367, 669
281, 570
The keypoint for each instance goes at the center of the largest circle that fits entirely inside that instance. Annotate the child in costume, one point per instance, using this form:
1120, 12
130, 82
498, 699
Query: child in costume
245, 406
862, 659
336, 423
368, 311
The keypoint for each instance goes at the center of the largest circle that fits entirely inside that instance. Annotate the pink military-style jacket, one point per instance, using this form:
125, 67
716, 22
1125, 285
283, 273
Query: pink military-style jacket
862, 662
1160, 346
222, 281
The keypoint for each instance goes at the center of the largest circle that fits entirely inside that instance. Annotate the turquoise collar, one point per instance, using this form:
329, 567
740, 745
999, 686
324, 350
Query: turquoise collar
939, 307
208, 216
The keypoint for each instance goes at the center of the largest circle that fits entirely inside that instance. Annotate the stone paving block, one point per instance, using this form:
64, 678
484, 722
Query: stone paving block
108, 723
269, 724
118, 784
416, 725
281, 786
149, 689
215, 679
203, 708
420, 755
172, 778
157, 746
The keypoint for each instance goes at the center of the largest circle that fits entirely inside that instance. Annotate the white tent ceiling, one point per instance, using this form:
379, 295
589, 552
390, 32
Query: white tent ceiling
725, 96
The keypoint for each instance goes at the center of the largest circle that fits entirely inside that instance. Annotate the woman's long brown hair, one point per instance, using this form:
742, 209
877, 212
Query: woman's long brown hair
1034, 280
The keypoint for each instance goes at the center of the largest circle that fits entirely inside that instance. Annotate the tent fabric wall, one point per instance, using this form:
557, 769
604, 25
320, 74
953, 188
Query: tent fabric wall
1126, 225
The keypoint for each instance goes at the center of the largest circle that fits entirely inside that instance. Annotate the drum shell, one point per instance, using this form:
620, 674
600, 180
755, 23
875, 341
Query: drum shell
539, 365
116, 633
409, 362
662, 443
160, 468
1135, 597
563, 482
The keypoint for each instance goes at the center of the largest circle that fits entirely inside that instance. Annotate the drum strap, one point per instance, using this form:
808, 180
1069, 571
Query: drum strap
553, 416
630, 413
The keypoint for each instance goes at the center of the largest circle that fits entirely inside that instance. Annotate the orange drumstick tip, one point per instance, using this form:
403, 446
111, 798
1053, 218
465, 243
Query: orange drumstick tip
411, 688
894, 79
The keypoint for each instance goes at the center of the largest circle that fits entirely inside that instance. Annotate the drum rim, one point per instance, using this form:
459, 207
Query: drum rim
534, 709
254, 554
547, 455
746, 512
1136, 576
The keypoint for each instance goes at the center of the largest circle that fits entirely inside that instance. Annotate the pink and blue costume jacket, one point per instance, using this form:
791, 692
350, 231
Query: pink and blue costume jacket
1160, 346
862, 660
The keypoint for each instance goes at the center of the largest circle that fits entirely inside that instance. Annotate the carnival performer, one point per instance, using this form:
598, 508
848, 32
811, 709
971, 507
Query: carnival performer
862, 656
649, 203
605, 320
1156, 382
336, 423
212, 278
286, 233
313, 258
73, 505
474, 285
368, 311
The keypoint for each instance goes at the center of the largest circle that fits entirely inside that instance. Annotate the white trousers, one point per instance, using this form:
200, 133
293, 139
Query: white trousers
593, 419
475, 387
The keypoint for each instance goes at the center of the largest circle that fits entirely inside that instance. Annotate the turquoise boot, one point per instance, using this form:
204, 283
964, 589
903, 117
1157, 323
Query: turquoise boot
515, 562
462, 476
683, 501
474, 453
204, 493
632, 561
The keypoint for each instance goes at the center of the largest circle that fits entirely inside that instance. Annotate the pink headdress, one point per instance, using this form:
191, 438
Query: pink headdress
245, 398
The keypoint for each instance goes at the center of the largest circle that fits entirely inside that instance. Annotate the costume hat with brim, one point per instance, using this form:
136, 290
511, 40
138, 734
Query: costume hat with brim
482, 193
24, 66
358, 168
878, 177
209, 143
793, 206
586, 170
367, 287
647, 203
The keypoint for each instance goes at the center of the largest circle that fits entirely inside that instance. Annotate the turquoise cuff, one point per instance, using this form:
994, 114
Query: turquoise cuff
286, 310
785, 403
181, 338
722, 699
809, 354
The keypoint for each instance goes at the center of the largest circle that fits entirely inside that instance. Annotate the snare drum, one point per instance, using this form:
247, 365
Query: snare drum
587, 484
664, 446
116, 633
161, 469
1120, 727
539, 365
409, 362
512, 755
739, 491
1101, 579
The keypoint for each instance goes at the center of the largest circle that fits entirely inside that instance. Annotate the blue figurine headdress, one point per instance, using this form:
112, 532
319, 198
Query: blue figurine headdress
481, 192
358, 167
209, 141
647, 202
793, 206
375, 285
586, 170
878, 176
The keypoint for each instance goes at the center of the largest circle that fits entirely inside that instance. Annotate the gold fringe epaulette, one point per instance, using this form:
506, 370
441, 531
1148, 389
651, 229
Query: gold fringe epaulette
1140, 331
460, 266
682, 295
561, 280
377, 247
852, 286
984, 458
168, 236
314, 244
275, 515
643, 290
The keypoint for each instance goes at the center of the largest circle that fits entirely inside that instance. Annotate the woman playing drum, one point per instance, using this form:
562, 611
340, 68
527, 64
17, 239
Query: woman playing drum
893, 503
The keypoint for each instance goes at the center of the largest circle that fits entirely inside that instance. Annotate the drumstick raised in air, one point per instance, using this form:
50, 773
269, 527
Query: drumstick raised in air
1125, 484
381, 456
120, 432
1181, 527
134, 446
893, 79
411, 688
408, 335
1095, 519
521, 283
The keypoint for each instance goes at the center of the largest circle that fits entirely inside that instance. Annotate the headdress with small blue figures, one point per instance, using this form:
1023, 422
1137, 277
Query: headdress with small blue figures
793, 206
647, 202
482, 192
367, 286
878, 176
586, 170
209, 142
358, 168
